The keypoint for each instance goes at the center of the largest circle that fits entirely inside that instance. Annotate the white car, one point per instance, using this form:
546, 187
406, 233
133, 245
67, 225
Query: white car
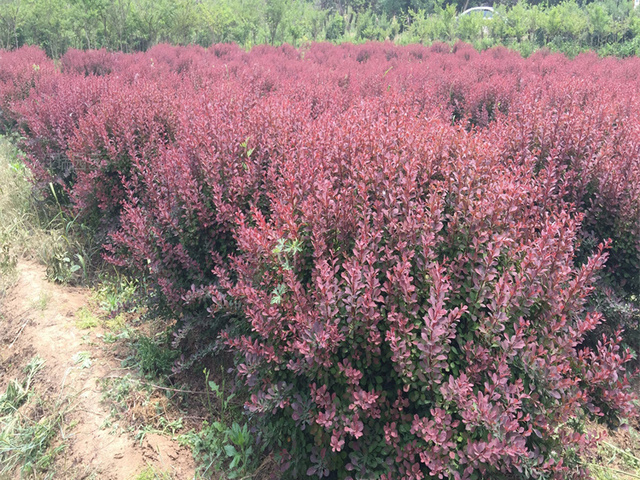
487, 12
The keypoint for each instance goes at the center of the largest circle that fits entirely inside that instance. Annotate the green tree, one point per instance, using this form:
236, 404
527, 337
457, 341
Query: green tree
185, 21
274, 13
219, 18
151, 19
599, 23
335, 27
470, 26
47, 24
12, 18
88, 22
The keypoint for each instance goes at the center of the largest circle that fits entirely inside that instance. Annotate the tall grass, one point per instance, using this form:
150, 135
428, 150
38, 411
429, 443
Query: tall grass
17, 211
19, 219
29, 427
33, 228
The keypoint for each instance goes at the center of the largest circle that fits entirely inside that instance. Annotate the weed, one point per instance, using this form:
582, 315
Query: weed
41, 301
150, 473
117, 389
617, 460
69, 251
139, 408
108, 337
163, 427
28, 426
17, 392
153, 358
82, 360
116, 294
85, 318
117, 323
8, 258
624, 456
18, 214
24, 227
225, 444
73, 246
603, 472
64, 268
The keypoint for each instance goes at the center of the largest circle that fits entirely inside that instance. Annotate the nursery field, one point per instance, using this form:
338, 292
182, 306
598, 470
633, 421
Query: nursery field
406, 262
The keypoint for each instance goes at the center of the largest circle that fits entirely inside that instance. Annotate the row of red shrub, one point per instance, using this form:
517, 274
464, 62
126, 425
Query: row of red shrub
398, 242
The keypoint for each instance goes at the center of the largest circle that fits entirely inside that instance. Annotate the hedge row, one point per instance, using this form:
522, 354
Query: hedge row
398, 243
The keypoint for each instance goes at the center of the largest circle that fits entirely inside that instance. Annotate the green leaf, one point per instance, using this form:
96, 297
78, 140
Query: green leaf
230, 450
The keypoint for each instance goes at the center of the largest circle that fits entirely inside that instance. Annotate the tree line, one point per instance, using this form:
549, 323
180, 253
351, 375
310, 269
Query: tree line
610, 26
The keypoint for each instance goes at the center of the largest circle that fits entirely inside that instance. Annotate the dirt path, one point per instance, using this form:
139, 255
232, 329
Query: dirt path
39, 318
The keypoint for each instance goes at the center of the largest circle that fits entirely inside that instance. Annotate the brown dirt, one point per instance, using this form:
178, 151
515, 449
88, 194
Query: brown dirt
38, 318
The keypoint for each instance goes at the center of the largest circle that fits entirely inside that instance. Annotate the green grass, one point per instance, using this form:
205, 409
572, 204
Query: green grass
139, 408
31, 227
225, 444
41, 302
117, 293
29, 428
18, 215
32, 425
116, 324
153, 357
18, 391
607, 472
150, 473
616, 462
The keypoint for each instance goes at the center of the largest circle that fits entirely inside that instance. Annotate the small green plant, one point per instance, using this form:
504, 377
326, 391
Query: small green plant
8, 257
66, 258
616, 457
85, 318
41, 301
164, 427
150, 473
116, 294
225, 444
117, 329
63, 267
117, 389
29, 225
117, 393
71, 248
152, 357
17, 392
82, 360
139, 408
116, 324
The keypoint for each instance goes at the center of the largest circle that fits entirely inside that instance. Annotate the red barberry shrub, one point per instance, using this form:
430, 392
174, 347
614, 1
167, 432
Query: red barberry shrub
114, 140
399, 243
417, 315
20, 71
591, 132
188, 195
88, 62
48, 120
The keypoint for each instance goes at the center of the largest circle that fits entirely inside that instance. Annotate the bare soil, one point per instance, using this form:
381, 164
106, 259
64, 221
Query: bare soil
39, 318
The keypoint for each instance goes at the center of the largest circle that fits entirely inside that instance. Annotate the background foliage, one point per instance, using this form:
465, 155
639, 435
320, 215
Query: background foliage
571, 26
